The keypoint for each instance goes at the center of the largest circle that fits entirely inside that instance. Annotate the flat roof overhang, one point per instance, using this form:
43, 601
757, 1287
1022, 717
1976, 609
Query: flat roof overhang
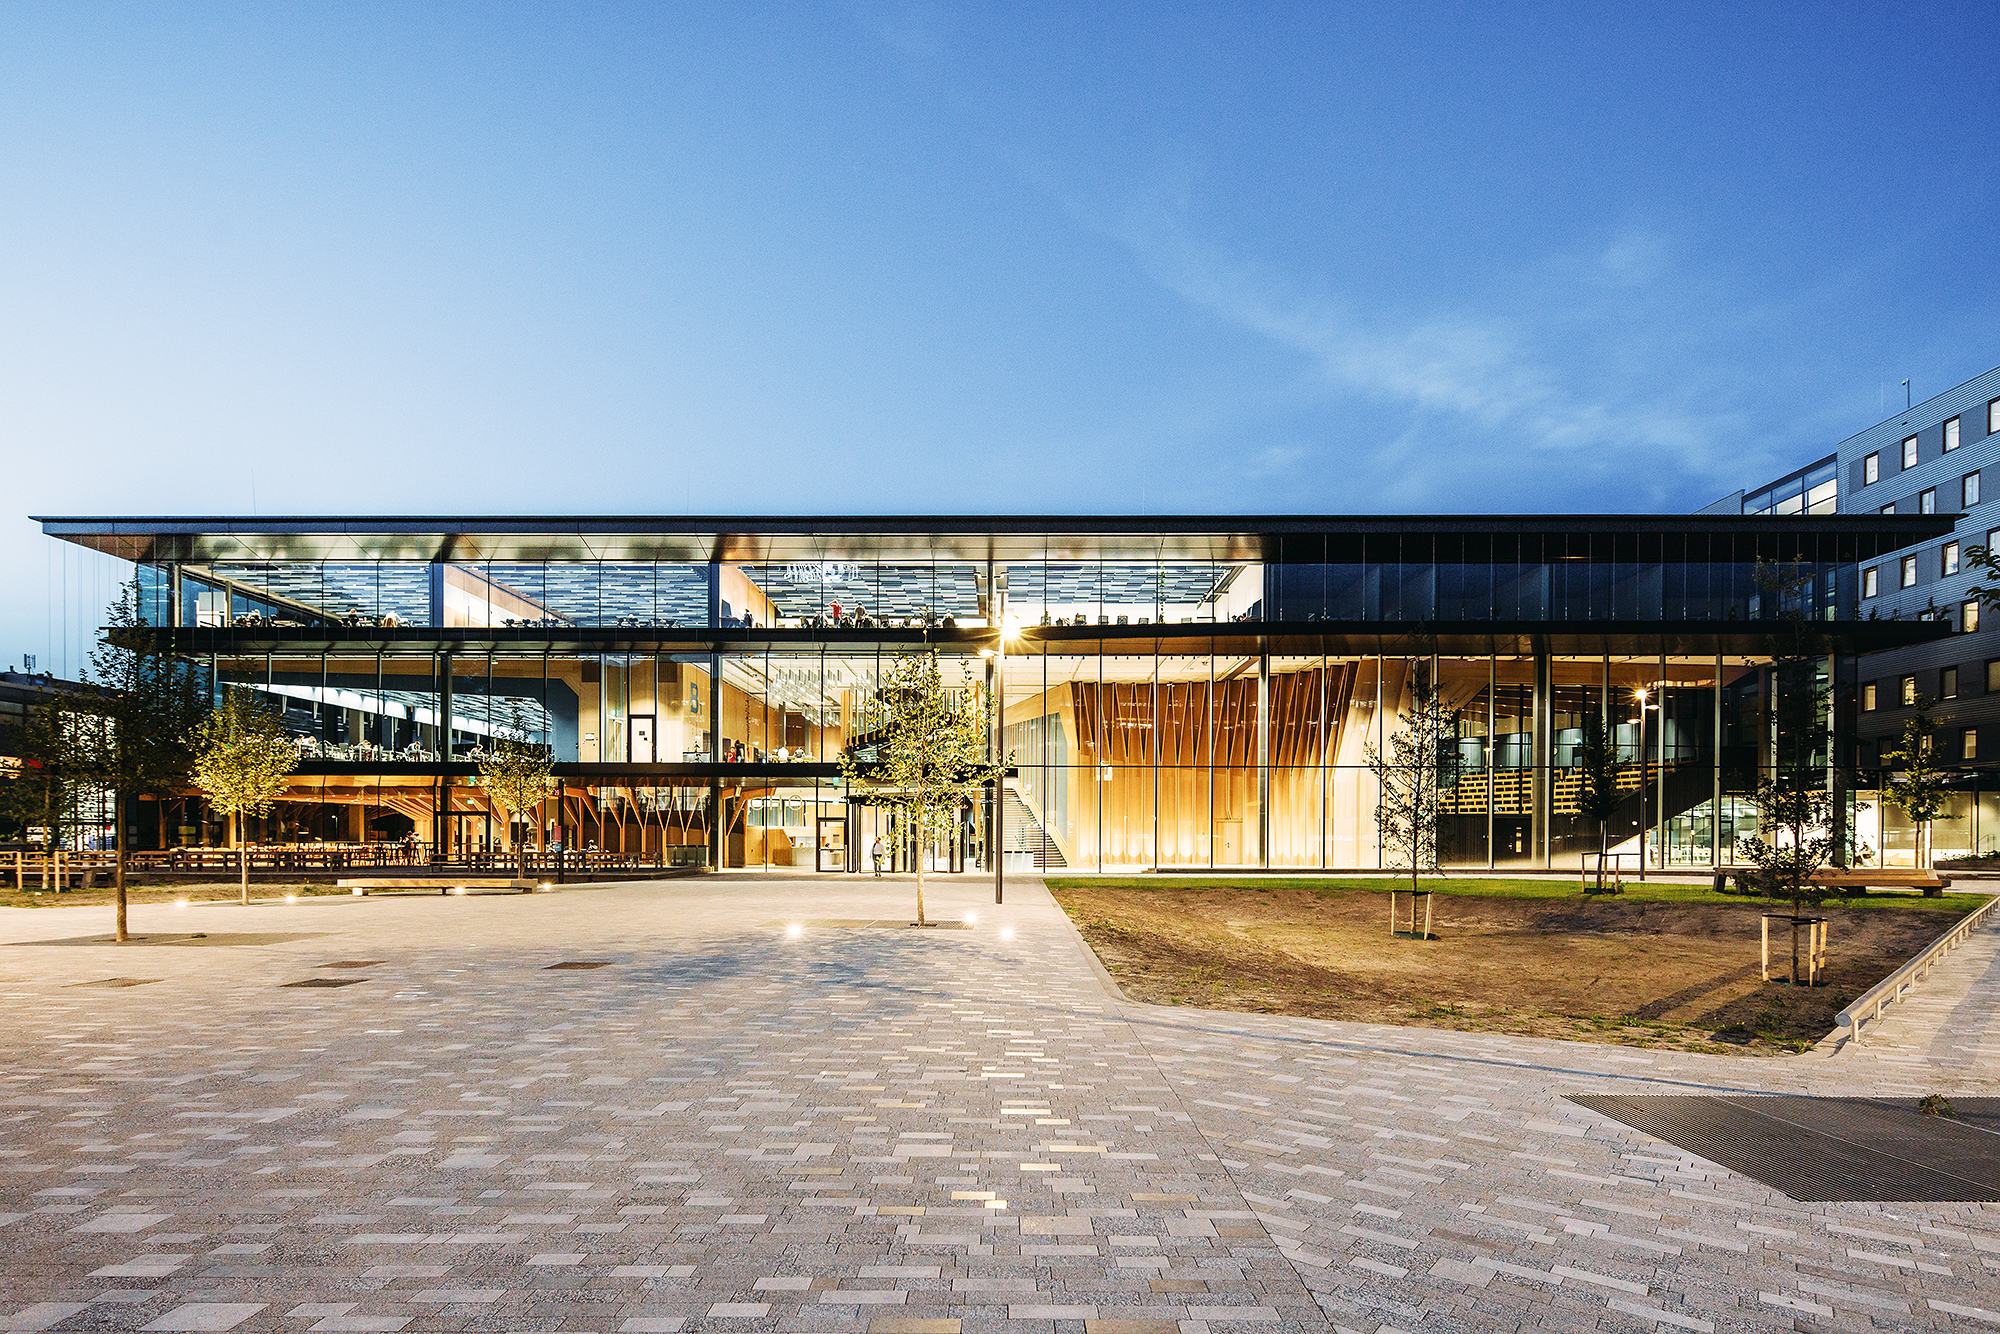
1308, 638
978, 538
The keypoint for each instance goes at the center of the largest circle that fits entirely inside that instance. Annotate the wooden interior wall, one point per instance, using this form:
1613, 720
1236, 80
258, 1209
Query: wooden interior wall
1207, 776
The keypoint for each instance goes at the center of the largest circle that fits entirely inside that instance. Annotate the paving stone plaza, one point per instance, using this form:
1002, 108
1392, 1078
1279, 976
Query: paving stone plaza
697, 1106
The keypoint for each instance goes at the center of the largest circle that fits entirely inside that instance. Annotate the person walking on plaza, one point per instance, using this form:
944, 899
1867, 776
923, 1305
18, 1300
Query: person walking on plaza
878, 851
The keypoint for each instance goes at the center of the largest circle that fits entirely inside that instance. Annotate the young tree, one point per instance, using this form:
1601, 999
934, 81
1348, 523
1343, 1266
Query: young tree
518, 772
1795, 837
1920, 793
1598, 797
1412, 779
931, 749
241, 760
53, 749
151, 702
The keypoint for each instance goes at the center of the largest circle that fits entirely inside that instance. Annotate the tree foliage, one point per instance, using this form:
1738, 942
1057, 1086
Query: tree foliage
517, 771
1920, 791
54, 753
242, 755
152, 701
1794, 839
1598, 797
930, 749
242, 758
1412, 778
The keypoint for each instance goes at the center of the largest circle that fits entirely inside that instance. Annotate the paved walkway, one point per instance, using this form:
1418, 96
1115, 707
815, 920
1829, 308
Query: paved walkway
1946, 1030
732, 1126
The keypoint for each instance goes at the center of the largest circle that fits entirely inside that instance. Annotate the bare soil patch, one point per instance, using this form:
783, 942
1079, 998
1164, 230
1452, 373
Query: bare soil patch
191, 893
1676, 975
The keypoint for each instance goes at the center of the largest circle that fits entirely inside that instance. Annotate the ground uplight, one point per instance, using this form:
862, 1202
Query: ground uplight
973, 918
795, 930
1006, 933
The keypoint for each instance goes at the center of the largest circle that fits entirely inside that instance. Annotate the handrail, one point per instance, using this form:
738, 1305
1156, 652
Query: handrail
1892, 987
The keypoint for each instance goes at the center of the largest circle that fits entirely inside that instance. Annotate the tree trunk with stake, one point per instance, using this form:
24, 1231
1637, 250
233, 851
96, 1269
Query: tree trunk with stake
118, 861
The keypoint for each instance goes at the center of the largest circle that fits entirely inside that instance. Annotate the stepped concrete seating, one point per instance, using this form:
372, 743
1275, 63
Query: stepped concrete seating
442, 884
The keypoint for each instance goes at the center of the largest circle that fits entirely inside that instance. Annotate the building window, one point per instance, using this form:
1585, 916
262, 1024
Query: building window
1908, 693
1927, 501
1868, 697
1993, 417
1968, 616
1949, 564
1871, 469
1909, 572
1951, 435
1888, 509
1968, 490
1910, 452
1971, 751
1948, 683
1871, 582
1993, 677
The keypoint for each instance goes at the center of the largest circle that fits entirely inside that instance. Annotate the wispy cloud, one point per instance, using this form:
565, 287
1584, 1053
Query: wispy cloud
1483, 370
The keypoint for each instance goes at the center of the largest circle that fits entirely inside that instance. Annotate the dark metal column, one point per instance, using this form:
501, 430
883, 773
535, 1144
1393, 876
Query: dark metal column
715, 817
1715, 773
1263, 758
441, 813
1542, 785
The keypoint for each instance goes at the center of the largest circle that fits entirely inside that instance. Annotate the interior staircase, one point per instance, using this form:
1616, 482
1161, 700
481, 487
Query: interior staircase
1020, 832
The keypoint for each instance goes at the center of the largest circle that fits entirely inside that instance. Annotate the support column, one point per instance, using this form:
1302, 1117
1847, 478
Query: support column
1660, 754
998, 686
1715, 773
1542, 786
1263, 758
1836, 789
1492, 748
715, 818
441, 815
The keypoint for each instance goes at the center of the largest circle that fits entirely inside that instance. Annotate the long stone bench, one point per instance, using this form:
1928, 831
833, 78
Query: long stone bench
442, 884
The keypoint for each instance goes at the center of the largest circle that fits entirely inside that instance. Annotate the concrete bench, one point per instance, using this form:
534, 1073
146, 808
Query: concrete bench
442, 884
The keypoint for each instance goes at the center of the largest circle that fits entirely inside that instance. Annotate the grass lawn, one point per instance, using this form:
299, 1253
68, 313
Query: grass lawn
1499, 887
1666, 966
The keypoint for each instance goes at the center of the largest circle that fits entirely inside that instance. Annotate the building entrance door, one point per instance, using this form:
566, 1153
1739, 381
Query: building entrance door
643, 749
831, 840
1229, 837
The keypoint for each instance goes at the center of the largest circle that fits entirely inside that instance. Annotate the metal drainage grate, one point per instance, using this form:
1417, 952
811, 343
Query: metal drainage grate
117, 982
352, 963
1829, 1149
328, 982
579, 963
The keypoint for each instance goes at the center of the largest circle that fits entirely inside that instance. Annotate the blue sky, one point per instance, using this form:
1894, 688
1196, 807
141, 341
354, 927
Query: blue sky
930, 257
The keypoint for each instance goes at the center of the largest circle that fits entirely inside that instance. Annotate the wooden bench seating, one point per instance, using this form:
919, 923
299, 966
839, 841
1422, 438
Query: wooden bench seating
1860, 877
1880, 877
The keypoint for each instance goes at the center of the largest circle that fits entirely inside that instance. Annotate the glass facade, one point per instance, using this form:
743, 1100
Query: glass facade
1173, 694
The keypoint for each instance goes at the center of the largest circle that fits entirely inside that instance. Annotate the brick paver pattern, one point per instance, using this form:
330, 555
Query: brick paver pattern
732, 1124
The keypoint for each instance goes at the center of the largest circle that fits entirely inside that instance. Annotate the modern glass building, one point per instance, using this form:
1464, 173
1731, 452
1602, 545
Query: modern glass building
1176, 693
